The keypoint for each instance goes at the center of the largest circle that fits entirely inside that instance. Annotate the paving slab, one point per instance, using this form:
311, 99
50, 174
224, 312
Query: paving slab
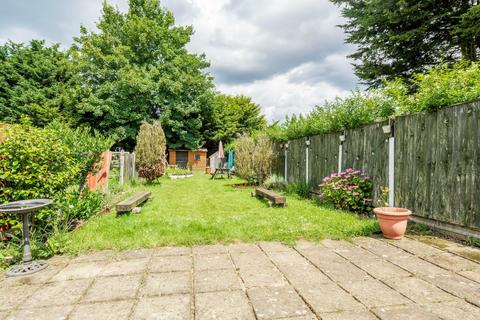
348, 315
303, 274
170, 263
382, 269
419, 290
217, 280
288, 258
458, 286
113, 288
250, 260
58, 293
262, 277
472, 275
272, 303
223, 305
418, 266
11, 297
410, 312
133, 254
454, 310
415, 247
48, 313
102, 255
244, 247
113, 310
380, 248
274, 247
172, 251
453, 262
167, 283
125, 267
174, 307
212, 261
374, 293
336, 244
81, 270
328, 298
305, 244
210, 249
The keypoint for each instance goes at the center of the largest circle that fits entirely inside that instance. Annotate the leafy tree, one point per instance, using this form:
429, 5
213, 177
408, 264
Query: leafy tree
36, 81
137, 68
150, 151
399, 38
233, 115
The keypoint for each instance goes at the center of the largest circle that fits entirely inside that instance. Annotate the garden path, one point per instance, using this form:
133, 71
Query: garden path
370, 278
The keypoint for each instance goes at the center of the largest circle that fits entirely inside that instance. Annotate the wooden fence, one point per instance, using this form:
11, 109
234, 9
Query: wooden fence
125, 163
434, 160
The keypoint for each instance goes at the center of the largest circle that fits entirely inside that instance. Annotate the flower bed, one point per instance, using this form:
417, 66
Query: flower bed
348, 190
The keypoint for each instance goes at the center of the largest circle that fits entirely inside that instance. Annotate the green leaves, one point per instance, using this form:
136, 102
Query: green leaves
36, 81
137, 68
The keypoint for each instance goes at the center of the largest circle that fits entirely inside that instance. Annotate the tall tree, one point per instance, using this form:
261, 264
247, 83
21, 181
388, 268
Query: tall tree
135, 68
234, 115
396, 38
36, 81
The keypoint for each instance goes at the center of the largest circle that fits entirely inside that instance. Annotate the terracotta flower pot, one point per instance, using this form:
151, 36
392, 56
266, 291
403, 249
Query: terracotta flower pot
393, 221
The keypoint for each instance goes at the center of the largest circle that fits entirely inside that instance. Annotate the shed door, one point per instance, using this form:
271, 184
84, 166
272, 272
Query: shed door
182, 159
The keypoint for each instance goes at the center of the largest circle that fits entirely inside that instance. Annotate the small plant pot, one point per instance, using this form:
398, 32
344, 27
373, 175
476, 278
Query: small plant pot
393, 221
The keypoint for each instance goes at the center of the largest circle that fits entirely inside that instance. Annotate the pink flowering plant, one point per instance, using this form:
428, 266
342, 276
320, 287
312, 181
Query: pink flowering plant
348, 190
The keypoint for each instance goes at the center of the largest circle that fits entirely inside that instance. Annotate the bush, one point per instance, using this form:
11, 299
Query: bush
349, 190
301, 189
52, 162
275, 182
150, 151
254, 158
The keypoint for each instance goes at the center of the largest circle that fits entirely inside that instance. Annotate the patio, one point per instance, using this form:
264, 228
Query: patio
368, 279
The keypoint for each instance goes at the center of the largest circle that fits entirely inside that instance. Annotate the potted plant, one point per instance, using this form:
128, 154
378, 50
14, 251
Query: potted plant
393, 221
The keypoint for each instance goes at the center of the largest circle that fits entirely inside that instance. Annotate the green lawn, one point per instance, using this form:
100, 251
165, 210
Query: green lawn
202, 211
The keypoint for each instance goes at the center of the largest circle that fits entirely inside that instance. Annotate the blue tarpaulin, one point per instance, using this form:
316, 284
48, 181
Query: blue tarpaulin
230, 159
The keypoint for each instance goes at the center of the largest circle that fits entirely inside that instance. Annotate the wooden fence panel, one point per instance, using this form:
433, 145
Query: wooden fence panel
323, 157
366, 149
296, 161
437, 164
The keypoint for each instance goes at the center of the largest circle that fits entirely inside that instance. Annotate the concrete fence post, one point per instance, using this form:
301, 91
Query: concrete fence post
286, 162
340, 152
307, 146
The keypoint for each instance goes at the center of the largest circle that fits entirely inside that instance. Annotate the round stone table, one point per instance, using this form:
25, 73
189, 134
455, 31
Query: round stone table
25, 208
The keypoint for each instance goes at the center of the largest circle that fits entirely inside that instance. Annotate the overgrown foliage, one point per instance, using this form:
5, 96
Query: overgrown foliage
49, 162
254, 158
348, 190
150, 151
36, 81
439, 87
400, 38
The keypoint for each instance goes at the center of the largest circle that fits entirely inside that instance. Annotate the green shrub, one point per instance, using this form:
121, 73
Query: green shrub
275, 182
302, 189
150, 151
348, 190
254, 158
52, 162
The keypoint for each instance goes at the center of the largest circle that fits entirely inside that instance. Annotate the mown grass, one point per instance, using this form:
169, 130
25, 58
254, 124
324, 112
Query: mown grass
202, 211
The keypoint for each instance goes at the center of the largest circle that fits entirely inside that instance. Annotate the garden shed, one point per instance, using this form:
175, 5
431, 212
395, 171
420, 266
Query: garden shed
194, 159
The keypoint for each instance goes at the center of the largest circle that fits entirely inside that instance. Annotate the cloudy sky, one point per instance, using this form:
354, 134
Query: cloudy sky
287, 55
